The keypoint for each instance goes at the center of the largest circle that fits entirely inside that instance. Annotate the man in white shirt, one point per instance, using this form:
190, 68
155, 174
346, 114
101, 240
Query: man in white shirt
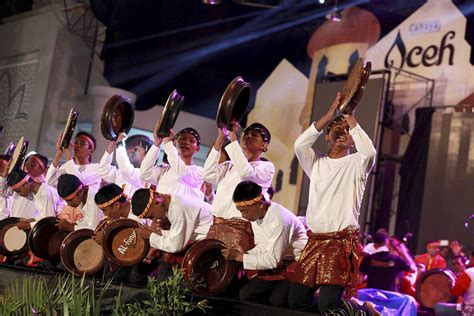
78, 164
44, 196
190, 220
244, 164
5, 201
129, 160
24, 207
180, 175
81, 210
338, 180
279, 239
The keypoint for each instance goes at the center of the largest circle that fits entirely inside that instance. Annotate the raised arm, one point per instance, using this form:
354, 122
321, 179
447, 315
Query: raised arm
213, 171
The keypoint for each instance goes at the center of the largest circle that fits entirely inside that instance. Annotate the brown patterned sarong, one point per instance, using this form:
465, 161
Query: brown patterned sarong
329, 258
233, 232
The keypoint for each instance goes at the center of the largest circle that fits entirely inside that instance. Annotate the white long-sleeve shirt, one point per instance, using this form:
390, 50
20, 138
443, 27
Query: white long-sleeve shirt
190, 221
175, 177
280, 233
124, 174
87, 174
229, 174
45, 202
337, 185
92, 214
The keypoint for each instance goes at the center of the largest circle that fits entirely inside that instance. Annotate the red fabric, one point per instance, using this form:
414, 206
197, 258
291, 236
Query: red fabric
437, 262
282, 272
462, 284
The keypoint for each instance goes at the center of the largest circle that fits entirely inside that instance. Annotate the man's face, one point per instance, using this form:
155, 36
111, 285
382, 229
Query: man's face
433, 248
136, 153
157, 210
3, 165
35, 166
82, 147
112, 211
76, 200
252, 212
23, 190
187, 145
252, 141
339, 136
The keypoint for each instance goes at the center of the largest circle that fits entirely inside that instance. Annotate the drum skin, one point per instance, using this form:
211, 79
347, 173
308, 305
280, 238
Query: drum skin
354, 87
117, 117
206, 271
121, 243
434, 287
45, 239
13, 241
234, 102
170, 114
80, 254
18, 155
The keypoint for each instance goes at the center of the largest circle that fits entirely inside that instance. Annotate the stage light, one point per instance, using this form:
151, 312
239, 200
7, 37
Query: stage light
321, 1
334, 15
211, 2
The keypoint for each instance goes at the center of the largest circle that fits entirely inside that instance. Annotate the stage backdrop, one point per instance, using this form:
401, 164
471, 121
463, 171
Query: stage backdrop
448, 198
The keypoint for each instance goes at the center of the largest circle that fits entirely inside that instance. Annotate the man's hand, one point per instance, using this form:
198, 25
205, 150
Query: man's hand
143, 232
233, 254
350, 119
64, 225
170, 137
23, 225
97, 237
5, 170
235, 127
152, 253
456, 247
326, 118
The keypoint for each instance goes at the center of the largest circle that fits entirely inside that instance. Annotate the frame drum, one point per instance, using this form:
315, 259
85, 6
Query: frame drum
206, 271
434, 287
121, 243
13, 241
45, 239
81, 254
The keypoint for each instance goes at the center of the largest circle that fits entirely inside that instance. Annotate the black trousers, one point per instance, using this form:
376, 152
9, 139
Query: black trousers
301, 297
274, 293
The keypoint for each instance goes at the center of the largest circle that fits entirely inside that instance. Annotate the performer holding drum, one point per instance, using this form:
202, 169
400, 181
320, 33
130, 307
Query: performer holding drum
337, 185
78, 156
279, 235
81, 210
180, 175
190, 220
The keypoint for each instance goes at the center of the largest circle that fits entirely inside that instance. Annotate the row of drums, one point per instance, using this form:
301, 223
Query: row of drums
206, 270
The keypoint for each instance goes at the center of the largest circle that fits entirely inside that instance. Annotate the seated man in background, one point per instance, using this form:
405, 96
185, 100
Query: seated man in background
431, 259
279, 236
382, 267
190, 220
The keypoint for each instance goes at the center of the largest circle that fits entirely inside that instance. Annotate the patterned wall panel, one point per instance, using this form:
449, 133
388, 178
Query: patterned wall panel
17, 78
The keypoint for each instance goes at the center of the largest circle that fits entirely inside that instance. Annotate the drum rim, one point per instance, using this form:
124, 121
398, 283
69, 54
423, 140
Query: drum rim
3, 251
227, 104
70, 266
131, 223
187, 266
170, 113
359, 73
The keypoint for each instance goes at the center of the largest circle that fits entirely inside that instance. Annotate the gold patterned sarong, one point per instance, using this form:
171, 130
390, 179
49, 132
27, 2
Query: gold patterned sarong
329, 258
233, 232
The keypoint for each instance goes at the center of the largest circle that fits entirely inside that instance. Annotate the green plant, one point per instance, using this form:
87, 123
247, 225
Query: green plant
168, 297
61, 296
